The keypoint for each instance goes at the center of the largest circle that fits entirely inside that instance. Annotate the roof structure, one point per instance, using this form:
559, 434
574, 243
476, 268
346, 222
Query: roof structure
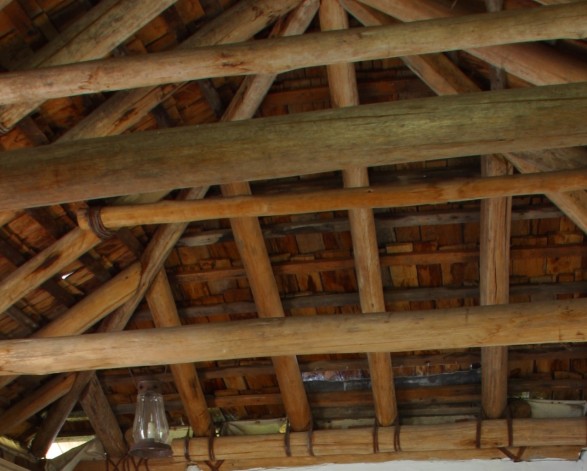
334, 230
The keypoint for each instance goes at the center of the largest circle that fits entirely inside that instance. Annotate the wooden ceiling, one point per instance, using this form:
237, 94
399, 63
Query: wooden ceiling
327, 212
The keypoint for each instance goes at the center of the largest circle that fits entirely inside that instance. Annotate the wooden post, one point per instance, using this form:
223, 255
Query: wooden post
283, 54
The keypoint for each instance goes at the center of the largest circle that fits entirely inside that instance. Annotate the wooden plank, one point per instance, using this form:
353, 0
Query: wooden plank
336, 200
382, 222
44, 265
93, 36
125, 109
483, 326
164, 311
534, 63
343, 92
283, 54
103, 420
513, 120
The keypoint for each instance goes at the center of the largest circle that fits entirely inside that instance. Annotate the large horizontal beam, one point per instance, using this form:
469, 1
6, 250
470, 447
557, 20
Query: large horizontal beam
381, 134
282, 54
336, 200
519, 324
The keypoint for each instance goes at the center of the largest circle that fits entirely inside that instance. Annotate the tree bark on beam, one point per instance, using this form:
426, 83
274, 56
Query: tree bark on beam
283, 54
520, 324
344, 199
342, 83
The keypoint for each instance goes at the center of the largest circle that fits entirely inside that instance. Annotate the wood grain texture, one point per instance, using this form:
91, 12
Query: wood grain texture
335, 200
94, 36
477, 123
164, 312
494, 278
44, 265
531, 323
534, 63
282, 54
342, 82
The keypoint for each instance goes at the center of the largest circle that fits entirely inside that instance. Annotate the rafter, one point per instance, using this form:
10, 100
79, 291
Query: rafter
93, 36
534, 63
45, 265
343, 92
125, 109
500, 325
279, 55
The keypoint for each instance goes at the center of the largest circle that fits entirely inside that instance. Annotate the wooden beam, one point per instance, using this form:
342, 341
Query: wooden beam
336, 200
125, 109
436, 70
534, 63
57, 414
494, 276
572, 203
96, 406
343, 92
35, 402
93, 36
531, 453
44, 265
164, 311
91, 309
257, 265
452, 436
152, 260
283, 54
484, 326
509, 120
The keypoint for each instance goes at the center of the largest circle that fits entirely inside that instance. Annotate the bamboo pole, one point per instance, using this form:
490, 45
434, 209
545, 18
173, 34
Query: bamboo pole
336, 200
532, 323
283, 54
